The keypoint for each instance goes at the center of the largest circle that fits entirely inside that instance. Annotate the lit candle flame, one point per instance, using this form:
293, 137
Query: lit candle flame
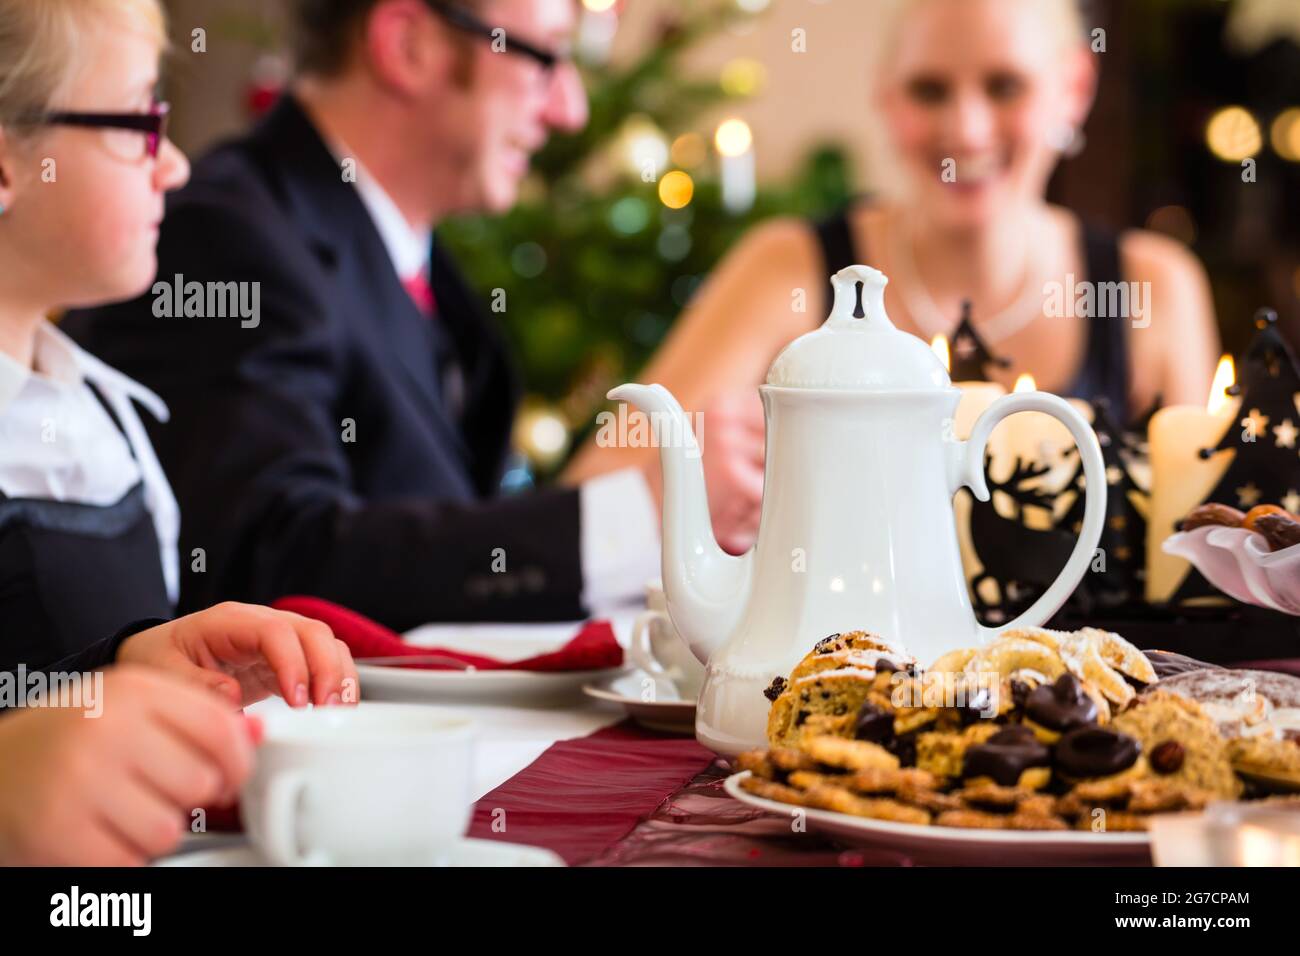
733, 137
1225, 376
1026, 383
939, 344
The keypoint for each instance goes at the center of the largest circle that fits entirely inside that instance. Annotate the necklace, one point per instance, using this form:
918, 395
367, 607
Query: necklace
997, 327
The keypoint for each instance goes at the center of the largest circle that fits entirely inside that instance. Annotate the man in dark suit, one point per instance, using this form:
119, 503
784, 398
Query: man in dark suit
339, 428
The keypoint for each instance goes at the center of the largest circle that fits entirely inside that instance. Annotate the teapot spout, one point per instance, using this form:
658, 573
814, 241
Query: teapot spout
706, 588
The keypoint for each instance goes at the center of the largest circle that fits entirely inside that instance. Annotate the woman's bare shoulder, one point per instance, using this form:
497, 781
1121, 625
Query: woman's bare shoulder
784, 245
773, 265
1156, 257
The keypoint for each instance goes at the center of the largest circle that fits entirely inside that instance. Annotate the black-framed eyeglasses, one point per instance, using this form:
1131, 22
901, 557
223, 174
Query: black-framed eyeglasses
462, 19
153, 124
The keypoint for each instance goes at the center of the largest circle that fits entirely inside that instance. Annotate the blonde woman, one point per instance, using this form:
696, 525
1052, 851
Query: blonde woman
994, 91
87, 521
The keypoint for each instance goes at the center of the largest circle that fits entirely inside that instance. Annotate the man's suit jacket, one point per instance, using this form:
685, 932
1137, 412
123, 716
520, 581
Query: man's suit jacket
316, 453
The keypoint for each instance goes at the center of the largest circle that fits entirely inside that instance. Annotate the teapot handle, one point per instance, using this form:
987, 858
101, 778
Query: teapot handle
971, 475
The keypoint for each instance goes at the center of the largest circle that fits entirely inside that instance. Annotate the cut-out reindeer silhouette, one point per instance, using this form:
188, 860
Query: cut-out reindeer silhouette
1019, 559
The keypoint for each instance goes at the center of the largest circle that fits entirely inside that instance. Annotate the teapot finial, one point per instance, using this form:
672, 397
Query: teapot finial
845, 283
851, 353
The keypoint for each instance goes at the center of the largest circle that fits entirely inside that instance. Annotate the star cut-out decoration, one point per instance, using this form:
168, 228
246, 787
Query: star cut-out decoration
1291, 501
1256, 423
1248, 495
1285, 434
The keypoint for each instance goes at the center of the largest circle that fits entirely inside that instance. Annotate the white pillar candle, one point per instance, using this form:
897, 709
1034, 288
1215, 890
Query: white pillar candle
596, 31
1180, 478
735, 143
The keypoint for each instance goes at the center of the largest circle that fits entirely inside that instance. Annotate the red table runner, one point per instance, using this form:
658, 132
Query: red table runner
627, 796
581, 796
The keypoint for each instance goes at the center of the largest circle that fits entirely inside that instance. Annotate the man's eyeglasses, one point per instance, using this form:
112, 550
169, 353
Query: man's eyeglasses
462, 19
141, 133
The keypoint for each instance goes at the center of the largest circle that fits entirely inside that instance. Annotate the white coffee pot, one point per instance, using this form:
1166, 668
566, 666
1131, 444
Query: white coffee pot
857, 529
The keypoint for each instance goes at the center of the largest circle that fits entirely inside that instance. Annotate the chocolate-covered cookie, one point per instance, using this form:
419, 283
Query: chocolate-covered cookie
1005, 756
874, 724
1095, 752
1061, 706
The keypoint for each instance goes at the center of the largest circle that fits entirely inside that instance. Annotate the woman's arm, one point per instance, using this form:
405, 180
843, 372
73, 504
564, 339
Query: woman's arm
1175, 355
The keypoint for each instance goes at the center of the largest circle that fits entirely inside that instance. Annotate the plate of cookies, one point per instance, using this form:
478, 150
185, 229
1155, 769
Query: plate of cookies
1040, 747
1252, 556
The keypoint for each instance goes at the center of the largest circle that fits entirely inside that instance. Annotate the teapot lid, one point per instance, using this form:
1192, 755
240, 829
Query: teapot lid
867, 354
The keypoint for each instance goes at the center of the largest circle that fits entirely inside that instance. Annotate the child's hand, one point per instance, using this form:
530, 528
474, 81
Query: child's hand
119, 788
247, 652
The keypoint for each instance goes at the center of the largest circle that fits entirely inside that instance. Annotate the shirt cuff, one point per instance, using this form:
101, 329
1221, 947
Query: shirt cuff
619, 540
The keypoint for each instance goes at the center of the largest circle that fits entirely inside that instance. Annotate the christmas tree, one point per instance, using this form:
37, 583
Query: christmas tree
619, 225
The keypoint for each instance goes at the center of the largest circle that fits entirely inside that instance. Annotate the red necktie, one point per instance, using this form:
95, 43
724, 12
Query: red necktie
421, 293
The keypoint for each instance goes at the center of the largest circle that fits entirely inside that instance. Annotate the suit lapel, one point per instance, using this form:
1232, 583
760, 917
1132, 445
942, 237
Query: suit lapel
344, 238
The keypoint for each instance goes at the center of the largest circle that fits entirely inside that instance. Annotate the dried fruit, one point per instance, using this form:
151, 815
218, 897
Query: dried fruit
1280, 531
1213, 514
1259, 511
1167, 757
775, 688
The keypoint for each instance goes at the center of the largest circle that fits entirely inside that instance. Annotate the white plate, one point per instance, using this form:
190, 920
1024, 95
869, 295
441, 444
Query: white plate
1239, 564
512, 688
953, 846
464, 852
665, 710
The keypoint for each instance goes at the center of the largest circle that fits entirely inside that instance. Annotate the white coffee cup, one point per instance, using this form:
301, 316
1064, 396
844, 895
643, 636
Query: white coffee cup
377, 783
660, 651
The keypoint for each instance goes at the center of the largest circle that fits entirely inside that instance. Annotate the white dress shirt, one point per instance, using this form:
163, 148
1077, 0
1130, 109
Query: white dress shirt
58, 443
619, 534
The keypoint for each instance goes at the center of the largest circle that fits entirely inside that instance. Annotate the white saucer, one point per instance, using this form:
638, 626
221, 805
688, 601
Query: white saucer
508, 687
664, 710
954, 846
464, 852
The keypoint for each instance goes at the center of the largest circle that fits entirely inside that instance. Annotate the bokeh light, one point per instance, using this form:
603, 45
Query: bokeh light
1285, 134
1233, 134
689, 150
733, 137
676, 189
629, 216
644, 145
1173, 221
743, 76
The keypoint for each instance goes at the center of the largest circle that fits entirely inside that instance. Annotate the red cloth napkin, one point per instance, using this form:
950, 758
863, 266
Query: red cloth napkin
593, 648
